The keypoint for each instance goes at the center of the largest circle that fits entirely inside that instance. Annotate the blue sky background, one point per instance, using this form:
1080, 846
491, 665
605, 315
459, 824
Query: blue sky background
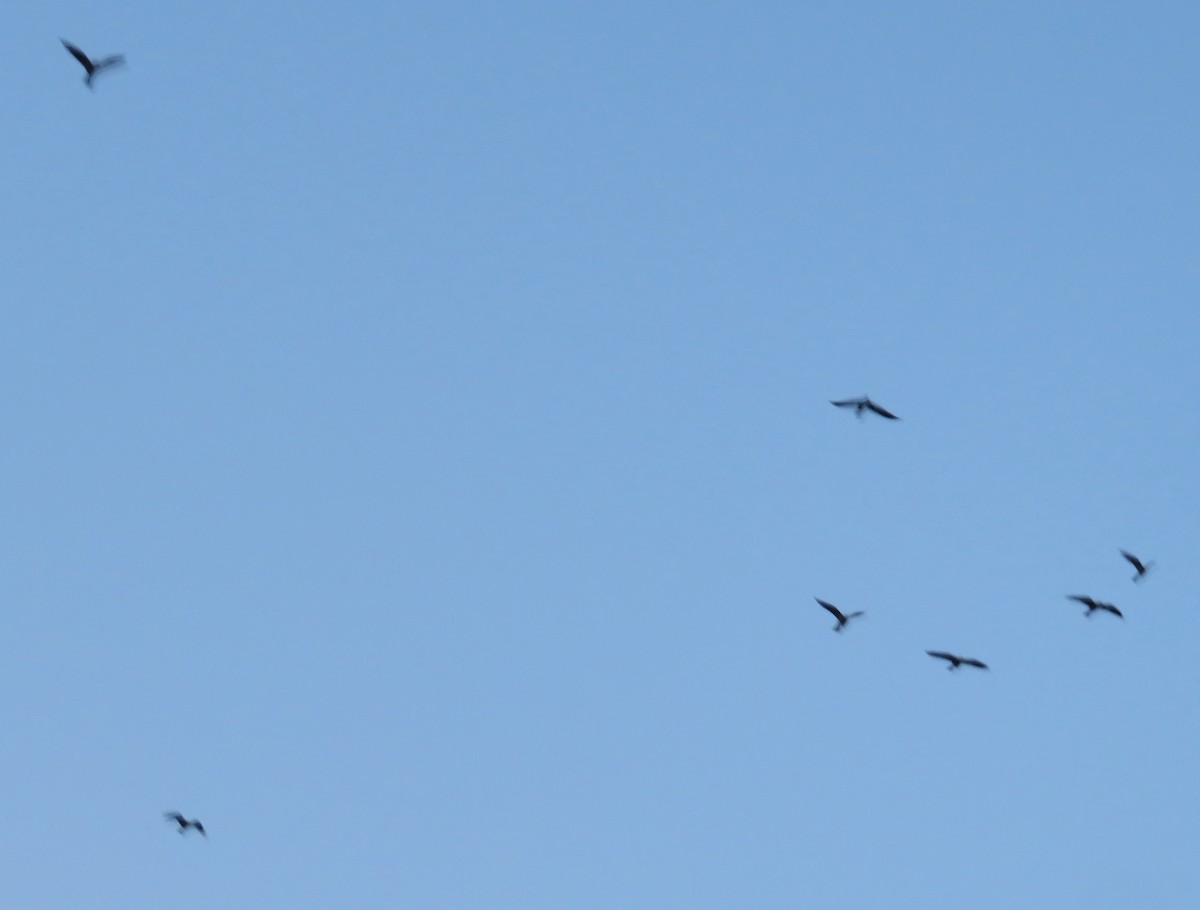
417, 460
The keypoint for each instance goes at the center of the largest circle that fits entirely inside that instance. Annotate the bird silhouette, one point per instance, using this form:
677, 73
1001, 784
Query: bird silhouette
956, 661
93, 67
842, 618
1094, 605
862, 405
1142, 567
185, 823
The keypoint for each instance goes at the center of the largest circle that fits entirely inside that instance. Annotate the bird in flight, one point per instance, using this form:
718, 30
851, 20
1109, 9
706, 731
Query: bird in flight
93, 67
862, 405
1142, 567
956, 661
842, 618
1094, 605
185, 823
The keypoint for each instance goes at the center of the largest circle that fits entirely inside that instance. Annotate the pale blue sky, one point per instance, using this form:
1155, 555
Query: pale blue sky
417, 460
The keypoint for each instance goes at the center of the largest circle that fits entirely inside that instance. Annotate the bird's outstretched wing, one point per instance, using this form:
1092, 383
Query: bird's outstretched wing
943, 655
185, 823
1109, 608
114, 60
882, 412
832, 609
849, 402
1134, 561
78, 55
850, 616
1086, 601
972, 662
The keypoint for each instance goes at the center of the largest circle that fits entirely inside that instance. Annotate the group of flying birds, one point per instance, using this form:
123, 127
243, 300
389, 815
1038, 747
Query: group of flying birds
861, 406
93, 68
864, 404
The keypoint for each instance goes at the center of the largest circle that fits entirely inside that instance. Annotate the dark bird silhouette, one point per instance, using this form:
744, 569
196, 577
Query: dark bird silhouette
93, 67
1142, 567
862, 405
185, 823
841, 617
956, 661
1094, 605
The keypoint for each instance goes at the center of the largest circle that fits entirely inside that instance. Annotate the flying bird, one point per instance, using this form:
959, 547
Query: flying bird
93, 67
842, 618
1142, 567
185, 823
862, 405
956, 661
1094, 605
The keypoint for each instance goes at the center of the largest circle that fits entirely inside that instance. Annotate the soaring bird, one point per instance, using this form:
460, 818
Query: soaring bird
956, 661
841, 617
1142, 567
1094, 605
93, 67
185, 823
862, 405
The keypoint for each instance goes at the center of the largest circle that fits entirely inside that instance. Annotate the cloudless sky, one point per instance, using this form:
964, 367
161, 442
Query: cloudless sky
417, 460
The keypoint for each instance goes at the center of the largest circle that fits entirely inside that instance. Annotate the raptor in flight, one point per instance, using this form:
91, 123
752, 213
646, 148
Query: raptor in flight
956, 661
842, 618
862, 405
93, 67
185, 823
1142, 567
1094, 605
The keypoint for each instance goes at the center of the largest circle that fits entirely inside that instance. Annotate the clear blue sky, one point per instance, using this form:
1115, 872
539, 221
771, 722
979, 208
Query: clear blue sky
417, 459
